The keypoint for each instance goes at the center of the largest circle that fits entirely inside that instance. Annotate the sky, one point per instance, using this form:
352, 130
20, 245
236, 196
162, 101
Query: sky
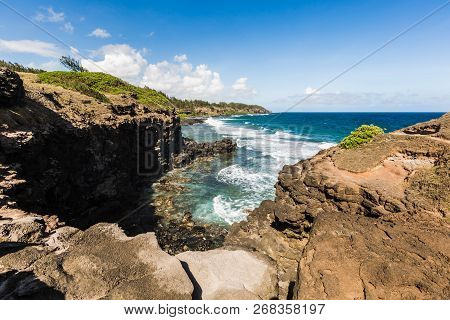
272, 53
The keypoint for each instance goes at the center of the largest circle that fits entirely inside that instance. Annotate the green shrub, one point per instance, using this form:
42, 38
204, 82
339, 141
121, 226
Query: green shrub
361, 135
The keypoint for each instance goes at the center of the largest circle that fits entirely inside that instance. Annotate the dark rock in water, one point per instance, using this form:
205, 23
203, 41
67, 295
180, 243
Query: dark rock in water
177, 236
192, 150
11, 88
191, 121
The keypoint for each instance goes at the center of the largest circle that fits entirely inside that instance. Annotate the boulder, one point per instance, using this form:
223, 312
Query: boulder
27, 229
99, 263
11, 88
223, 274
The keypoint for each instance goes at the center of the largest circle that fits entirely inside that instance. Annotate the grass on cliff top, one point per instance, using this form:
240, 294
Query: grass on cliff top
361, 135
97, 84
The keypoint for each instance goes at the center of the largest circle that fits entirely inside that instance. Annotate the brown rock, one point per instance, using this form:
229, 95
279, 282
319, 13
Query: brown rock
355, 257
101, 263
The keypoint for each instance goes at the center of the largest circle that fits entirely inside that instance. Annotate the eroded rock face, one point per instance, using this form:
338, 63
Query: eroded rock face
229, 274
63, 153
433, 128
11, 88
99, 263
355, 257
366, 223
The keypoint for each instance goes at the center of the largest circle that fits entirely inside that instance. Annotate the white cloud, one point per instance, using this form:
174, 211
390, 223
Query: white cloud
180, 58
68, 27
41, 48
100, 33
52, 65
310, 90
120, 60
240, 88
176, 78
50, 16
182, 79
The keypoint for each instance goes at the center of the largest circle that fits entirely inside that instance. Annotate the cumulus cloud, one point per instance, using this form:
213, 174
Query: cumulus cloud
100, 33
41, 48
178, 77
240, 88
180, 58
120, 60
50, 15
182, 79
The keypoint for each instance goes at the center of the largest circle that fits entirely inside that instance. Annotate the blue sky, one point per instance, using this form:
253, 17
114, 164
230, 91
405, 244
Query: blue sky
267, 52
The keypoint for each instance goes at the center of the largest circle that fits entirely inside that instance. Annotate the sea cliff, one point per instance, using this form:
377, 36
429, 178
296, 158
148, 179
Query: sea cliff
366, 223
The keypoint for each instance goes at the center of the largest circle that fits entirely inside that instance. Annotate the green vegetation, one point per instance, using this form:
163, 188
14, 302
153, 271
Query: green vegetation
18, 67
205, 108
361, 135
97, 84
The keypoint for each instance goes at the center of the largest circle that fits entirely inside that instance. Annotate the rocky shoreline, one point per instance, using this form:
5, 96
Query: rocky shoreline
75, 223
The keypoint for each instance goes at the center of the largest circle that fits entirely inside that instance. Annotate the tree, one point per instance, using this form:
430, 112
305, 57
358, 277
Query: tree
72, 64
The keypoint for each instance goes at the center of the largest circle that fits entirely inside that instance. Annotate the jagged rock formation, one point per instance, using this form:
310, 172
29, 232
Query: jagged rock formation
366, 223
192, 150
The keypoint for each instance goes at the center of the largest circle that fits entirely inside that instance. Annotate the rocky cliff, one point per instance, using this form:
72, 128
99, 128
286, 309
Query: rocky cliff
68, 164
365, 223
63, 152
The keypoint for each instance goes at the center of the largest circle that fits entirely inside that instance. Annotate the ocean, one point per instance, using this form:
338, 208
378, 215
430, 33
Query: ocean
224, 190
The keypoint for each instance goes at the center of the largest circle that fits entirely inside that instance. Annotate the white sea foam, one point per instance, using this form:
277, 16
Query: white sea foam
246, 179
256, 183
231, 210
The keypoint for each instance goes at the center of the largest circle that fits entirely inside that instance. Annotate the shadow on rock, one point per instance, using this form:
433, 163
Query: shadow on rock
23, 285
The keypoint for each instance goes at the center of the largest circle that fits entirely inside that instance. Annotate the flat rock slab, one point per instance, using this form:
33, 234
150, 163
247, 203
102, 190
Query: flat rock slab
99, 263
223, 274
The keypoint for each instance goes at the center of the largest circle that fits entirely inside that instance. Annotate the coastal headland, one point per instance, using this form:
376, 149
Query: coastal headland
365, 223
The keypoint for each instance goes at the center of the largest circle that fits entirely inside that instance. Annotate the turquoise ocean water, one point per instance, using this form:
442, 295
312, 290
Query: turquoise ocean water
223, 190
